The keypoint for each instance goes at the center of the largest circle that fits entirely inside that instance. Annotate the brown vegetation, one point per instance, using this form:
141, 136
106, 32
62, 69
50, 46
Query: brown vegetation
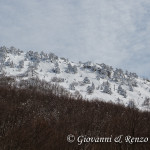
34, 120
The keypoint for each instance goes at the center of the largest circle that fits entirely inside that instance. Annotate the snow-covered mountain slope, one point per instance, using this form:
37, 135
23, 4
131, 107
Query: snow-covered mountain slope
91, 80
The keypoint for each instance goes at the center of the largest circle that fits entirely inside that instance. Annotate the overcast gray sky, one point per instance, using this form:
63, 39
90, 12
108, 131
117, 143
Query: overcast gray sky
114, 32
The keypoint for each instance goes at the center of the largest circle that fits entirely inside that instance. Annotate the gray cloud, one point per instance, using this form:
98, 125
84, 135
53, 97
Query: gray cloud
115, 32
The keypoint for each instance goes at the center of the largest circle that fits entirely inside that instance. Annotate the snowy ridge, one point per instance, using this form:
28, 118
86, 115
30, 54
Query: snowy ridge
91, 80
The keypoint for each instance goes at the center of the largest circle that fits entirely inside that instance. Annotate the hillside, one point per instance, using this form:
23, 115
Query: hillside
92, 81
